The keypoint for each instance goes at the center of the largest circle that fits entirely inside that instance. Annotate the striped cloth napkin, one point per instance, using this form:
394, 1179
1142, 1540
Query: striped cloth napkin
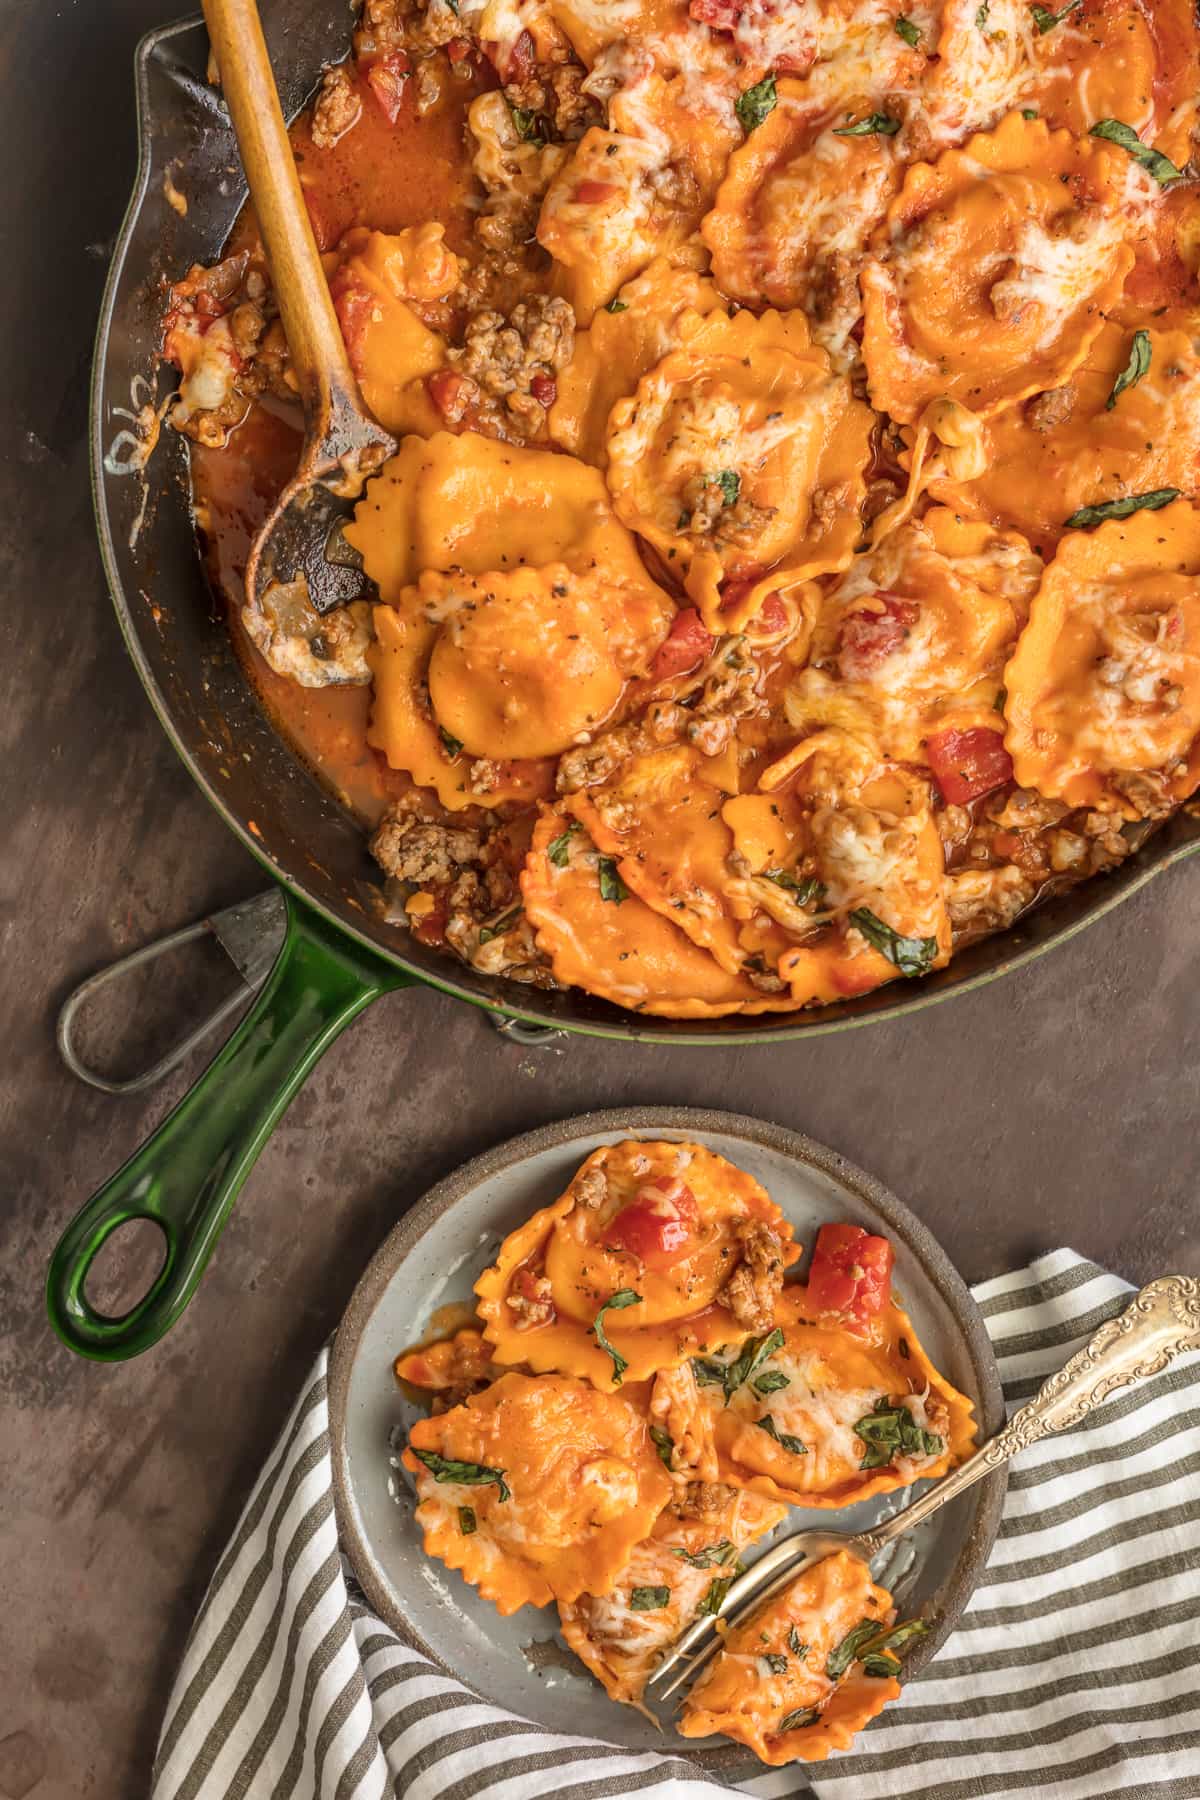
1074, 1674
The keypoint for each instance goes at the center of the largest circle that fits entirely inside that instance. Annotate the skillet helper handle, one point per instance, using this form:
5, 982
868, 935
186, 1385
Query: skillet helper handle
328, 388
187, 1175
1159, 1324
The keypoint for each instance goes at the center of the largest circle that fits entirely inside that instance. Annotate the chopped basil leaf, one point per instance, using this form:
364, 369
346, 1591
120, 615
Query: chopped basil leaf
998, 705
711, 1557
908, 31
467, 1522
453, 5
524, 124
1029, 112
771, 1382
707, 1372
1138, 365
874, 125
617, 1303
881, 1664
900, 1635
1120, 509
1158, 165
616, 306
649, 1599
1045, 20
803, 1715
796, 1445
776, 1662
611, 886
450, 744
751, 1357
911, 955
756, 103
795, 1645
843, 1654
730, 484
801, 891
504, 923
466, 1474
664, 1443
714, 1599
559, 848
981, 15
891, 1431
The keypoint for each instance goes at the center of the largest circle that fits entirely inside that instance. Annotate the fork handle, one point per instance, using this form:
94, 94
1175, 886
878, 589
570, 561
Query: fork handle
1159, 1323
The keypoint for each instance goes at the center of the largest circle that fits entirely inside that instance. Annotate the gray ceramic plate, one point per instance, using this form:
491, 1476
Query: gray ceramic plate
432, 1259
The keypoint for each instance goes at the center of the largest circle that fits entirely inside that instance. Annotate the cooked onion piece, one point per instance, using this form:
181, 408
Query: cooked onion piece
625, 339
826, 1410
741, 458
537, 1489
913, 638
788, 1682
659, 817
655, 1252
379, 291
794, 215
1103, 702
1077, 446
842, 839
990, 279
669, 1579
604, 939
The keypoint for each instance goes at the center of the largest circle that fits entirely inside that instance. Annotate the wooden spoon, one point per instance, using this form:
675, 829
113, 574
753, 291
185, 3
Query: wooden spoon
300, 566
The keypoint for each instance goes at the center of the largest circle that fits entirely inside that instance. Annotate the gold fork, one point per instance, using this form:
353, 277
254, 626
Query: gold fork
1159, 1323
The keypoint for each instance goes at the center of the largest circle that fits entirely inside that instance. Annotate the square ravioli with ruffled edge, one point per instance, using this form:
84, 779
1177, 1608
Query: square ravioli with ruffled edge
838, 1402
797, 1679
537, 1488
654, 1253
680, 1573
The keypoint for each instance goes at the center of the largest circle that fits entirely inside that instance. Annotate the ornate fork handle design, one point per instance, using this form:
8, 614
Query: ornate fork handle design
1158, 1324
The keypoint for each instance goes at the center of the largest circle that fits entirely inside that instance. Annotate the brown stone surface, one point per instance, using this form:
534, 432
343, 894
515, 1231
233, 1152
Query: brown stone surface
1055, 1106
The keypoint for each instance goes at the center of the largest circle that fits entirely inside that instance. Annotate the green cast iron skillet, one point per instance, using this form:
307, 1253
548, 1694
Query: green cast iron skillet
339, 953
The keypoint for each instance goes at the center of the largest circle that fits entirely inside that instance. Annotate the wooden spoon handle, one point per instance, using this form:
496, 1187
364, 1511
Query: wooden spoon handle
327, 386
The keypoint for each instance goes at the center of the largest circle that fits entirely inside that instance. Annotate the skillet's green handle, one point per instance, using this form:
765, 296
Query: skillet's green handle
188, 1174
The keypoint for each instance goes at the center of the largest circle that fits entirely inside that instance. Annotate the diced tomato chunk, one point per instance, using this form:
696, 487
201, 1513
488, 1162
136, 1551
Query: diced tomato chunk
772, 614
722, 15
544, 389
521, 59
387, 79
591, 193
851, 1273
968, 764
207, 305
451, 393
868, 638
685, 645
659, 1223
354, 306
458, 50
